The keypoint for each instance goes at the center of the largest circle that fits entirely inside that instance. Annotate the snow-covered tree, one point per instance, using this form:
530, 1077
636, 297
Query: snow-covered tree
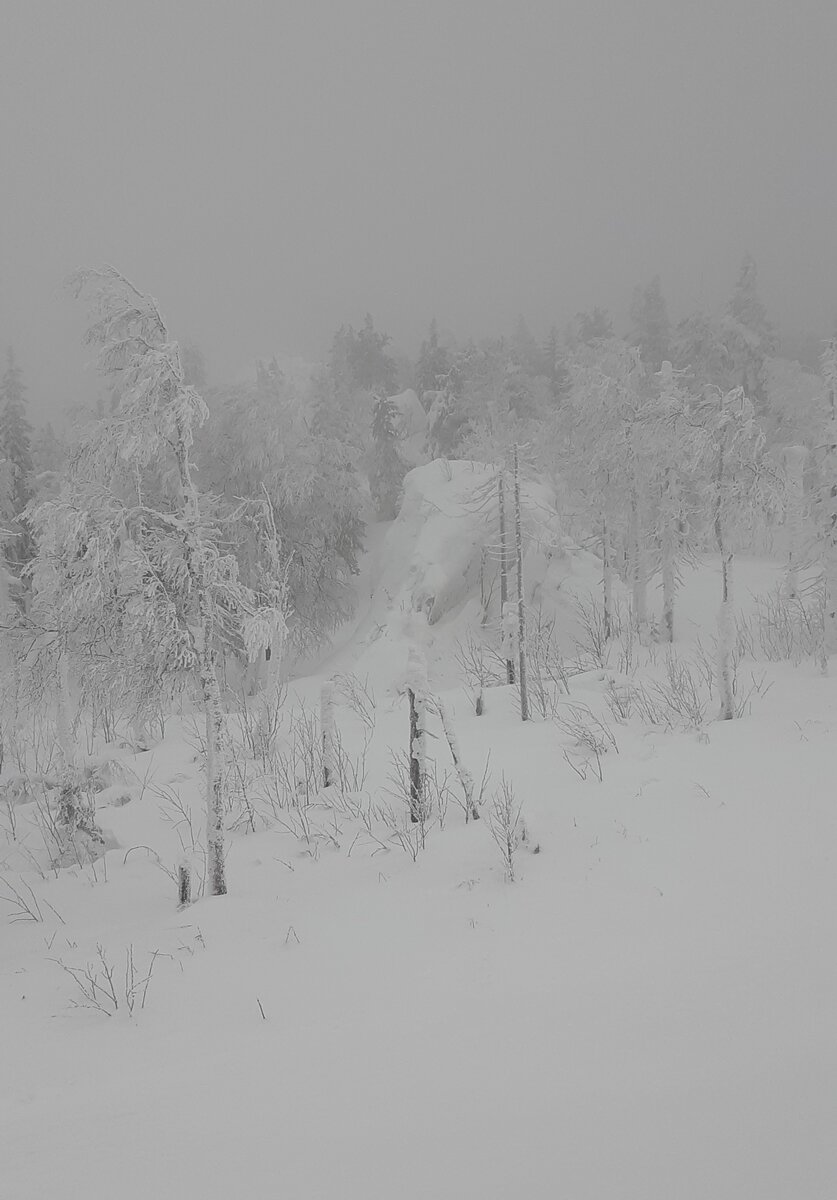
607, 453
270, 438
674, 458
433, 363
522, 670
127, 555
593, 326
16, 450
793, 460
827, 504
651, 330
386, 469
738, 483
749, 335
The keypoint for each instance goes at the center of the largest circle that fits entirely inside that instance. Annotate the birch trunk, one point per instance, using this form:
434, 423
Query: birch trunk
607, 579
504, 576
669, 549
725, 612
196, 561
637, 567
521, 601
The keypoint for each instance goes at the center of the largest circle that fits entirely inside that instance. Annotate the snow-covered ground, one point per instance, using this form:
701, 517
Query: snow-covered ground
647, 1012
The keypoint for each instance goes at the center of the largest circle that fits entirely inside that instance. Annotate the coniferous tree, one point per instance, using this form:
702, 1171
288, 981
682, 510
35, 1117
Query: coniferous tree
651, 330
16, 449
749, 335
387, 470
129, 559
593, 326
827, 506
433, 364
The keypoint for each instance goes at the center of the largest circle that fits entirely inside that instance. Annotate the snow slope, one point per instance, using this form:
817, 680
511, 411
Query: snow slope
646, 1014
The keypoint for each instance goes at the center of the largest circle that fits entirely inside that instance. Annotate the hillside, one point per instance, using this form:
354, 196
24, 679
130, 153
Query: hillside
645, 1012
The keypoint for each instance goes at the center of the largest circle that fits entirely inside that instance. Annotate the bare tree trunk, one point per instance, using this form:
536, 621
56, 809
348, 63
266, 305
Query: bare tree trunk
670, 541
725, 612
607, 579
466, 779
63, 727
417, 695
195, 555
521, 600
215, 776
504, 576
327, 732
636, 566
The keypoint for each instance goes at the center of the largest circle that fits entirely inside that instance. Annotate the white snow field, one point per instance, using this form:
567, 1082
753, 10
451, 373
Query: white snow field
646, 1013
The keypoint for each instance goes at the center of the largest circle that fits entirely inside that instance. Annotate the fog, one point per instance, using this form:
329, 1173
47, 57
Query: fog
270, 170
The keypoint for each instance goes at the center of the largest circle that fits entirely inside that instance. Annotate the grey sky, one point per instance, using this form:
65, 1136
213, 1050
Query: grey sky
269, 170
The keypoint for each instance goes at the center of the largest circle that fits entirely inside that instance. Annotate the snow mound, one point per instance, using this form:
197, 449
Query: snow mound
435, 576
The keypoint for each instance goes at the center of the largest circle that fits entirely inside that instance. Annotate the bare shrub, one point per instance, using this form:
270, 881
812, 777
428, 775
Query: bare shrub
548, 675
789, 628
506, 825
594, 646
482, 666
25, 905
591, 737
99, 988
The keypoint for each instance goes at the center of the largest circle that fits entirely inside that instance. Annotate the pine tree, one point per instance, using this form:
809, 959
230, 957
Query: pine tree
433, 363
387, 470
593, 326
129, 555
651, 329
749, 335
827, 506
16, 449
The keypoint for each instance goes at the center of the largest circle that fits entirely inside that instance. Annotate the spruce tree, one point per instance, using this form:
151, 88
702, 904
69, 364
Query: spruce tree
749, 335
433, 362
651, 329
16, 449
387, 470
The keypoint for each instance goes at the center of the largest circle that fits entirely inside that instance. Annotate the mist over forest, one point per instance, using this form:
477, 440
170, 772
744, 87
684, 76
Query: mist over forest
418, 599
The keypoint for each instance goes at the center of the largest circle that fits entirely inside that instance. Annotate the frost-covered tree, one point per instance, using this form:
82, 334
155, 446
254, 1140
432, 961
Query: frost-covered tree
433, 363
128, 557
522, 672
827, 505
702, 354
651, 330
793, 461
386, 469
359, 359
675, 486
16, 450
271, 439
738, 484
607, 455
749, 335
593, 326
555, 366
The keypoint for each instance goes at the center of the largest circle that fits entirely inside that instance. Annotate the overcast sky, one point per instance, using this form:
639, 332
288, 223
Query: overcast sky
270, 170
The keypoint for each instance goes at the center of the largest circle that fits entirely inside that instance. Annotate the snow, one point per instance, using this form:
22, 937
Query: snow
648, 1013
